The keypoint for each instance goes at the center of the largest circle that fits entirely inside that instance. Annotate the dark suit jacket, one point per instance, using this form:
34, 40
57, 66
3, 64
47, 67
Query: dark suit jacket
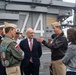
35, 54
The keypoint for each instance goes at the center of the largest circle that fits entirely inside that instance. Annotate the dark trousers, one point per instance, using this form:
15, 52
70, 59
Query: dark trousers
70, 73
30, 70
2, 69
50, 68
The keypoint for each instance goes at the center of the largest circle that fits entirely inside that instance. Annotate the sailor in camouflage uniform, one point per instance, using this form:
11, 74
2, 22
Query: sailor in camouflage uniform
2, 69
13, 55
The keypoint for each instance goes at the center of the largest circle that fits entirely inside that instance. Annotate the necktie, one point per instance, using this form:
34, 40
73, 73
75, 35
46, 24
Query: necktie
30, 45
31, 50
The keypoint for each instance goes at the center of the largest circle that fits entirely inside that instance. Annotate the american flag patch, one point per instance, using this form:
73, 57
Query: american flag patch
17, 47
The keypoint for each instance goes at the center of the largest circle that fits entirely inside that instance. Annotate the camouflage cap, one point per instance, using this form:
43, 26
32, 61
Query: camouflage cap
18, 31
55, 24
9, 25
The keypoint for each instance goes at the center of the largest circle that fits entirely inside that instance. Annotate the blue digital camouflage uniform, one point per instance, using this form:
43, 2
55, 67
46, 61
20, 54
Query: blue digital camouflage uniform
2, 69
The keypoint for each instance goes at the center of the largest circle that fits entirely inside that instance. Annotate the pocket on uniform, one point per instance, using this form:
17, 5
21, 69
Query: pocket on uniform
61, 63
11, 70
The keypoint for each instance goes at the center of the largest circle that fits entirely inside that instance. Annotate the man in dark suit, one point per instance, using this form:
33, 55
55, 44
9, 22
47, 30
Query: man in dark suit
33, 51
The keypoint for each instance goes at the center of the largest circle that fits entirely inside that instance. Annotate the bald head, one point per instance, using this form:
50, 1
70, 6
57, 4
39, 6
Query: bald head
29, 30
30, 33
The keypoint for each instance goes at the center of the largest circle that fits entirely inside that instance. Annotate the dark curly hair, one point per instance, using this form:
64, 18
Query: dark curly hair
71, 35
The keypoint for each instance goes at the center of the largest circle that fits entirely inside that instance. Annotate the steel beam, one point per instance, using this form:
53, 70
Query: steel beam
9, 16
46, 2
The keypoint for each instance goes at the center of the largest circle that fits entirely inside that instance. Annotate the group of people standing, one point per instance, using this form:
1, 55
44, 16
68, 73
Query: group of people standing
24, 57
63, 50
